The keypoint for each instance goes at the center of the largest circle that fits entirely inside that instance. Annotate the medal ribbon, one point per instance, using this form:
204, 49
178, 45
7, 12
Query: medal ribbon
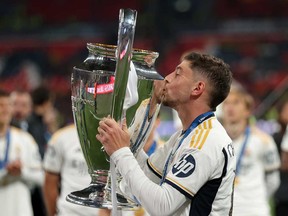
201, 118
238, 164
5, 159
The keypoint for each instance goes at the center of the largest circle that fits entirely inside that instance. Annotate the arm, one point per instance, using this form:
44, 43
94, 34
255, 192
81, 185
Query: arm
156, 199
284, 160
284, 151
51, 192
272, 182
32, 170
272, 164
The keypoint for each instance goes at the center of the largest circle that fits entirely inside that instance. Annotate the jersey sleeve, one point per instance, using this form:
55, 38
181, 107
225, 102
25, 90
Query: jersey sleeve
271, 159
53, 158
32, 171
156, 199
190, 171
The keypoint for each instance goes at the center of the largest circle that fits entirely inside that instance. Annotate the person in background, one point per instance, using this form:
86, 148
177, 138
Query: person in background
20, 164
52, 121
281, 195
42, 104
193, 173
257, 168
284, 151
66, 171
22, 108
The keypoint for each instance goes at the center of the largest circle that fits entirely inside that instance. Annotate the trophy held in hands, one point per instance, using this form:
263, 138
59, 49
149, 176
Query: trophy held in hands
98, 90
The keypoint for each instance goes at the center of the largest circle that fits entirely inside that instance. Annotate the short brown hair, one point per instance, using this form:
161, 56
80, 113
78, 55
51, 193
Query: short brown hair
247, 98
216, 71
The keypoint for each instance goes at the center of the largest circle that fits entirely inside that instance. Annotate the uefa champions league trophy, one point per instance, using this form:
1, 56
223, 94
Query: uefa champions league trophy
98, 90
94, 93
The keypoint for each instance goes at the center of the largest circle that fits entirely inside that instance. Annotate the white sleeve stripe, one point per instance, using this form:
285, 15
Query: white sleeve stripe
154, 169
179, 188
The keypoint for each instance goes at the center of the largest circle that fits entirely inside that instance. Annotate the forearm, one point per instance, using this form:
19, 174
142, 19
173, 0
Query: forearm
51, 193
284, 160
156, 199
272, 182
33, 176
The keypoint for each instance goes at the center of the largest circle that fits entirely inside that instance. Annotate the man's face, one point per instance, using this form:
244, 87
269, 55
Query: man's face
284, 114
235, 108
178, 85
5, 110
22, 105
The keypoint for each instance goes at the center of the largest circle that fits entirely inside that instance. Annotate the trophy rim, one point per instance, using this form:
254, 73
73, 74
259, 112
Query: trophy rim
99, 72
111, 48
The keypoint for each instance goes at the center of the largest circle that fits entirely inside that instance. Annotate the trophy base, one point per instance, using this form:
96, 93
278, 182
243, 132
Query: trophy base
95, 196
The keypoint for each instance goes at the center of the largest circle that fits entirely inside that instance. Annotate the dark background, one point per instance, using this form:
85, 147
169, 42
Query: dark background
41, 41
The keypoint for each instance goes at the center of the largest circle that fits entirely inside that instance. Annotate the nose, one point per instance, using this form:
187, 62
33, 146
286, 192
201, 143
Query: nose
168, 78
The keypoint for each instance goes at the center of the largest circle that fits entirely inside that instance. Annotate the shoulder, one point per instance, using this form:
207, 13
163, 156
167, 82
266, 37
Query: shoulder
209, 134
21, 134
264, 137
63, 133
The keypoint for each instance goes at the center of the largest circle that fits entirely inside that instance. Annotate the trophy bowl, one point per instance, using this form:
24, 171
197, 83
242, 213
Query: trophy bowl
92, 94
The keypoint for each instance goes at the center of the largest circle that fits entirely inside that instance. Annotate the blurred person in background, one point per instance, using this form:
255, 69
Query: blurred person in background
281, 195
22, 108
52, 121
20, 164
284, 151
66, 171
42, 105
257, 168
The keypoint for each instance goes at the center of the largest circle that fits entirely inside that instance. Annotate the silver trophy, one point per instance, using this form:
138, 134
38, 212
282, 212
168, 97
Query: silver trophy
98, 90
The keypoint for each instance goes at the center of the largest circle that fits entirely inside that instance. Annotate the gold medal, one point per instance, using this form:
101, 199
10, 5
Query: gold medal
236, 181
139, 212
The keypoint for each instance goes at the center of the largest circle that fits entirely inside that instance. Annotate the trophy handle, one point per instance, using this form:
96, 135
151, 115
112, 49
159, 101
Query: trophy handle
126, 31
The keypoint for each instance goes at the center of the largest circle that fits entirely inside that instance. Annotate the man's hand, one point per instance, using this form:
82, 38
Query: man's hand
112, 136
157, 96
14, 168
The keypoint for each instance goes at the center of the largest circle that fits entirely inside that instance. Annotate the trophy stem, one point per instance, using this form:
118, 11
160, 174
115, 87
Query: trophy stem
95, 195
98, 194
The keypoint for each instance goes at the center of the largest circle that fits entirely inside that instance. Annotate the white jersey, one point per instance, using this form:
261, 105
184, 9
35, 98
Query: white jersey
15, 195
64, 156
260, 156
200, 173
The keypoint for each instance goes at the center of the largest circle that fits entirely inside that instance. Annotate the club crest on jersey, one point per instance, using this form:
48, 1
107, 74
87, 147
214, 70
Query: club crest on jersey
184, 167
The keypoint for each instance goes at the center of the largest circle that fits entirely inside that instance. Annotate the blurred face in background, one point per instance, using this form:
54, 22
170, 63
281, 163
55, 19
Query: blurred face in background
22, 105
235, 108
5, 110
283, 116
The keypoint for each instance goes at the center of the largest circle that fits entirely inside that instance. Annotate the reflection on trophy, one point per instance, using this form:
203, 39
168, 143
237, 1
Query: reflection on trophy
98, 90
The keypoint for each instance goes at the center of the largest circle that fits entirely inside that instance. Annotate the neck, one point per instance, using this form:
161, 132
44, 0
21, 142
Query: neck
3, 129
235, 129
187, 116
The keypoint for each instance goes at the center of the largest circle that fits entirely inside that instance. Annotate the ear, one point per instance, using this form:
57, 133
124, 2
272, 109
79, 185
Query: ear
198, 88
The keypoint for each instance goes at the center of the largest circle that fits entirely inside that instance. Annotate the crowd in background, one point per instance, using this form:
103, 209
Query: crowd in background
35, 113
